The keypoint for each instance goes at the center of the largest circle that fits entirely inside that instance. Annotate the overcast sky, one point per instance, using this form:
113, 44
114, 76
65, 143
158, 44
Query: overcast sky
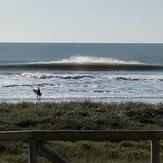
81, 21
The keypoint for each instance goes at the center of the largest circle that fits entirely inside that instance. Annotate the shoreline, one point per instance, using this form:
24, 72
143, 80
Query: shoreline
150, 100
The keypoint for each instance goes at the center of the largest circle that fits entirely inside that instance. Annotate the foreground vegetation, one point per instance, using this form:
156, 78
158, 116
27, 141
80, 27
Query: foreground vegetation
81, 116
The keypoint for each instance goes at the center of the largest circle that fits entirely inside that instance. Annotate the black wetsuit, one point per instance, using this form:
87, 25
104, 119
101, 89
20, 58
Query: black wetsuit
39, 92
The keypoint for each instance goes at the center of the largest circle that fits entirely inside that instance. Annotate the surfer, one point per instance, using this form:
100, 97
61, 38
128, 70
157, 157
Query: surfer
39, 93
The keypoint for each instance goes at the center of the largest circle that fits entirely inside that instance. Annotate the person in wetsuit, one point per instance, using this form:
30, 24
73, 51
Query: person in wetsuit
39, 93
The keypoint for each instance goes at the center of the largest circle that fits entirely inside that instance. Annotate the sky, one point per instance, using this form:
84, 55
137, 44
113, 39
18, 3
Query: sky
110, 21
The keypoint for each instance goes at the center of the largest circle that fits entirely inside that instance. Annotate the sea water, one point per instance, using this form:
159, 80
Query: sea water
74, 71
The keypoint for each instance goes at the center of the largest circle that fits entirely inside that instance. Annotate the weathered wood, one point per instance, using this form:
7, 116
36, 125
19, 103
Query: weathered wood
155, 151
73, 135
15, 135
45, 152
32, 151
95, 135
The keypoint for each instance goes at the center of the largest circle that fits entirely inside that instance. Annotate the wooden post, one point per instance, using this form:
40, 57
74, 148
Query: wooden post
155, 151
32, 151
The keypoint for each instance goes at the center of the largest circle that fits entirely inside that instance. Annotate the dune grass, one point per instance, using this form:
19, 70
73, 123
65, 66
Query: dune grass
81, 116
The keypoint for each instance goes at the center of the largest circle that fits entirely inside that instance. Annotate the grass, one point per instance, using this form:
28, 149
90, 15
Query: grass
81, 116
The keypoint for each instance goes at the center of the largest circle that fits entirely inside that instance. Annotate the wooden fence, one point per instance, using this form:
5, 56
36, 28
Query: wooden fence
36, 148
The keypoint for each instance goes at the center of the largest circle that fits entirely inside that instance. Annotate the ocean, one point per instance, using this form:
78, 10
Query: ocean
81, 71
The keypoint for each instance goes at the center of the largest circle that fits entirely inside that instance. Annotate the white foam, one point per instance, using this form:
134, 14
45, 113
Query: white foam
48, 75
87, 59
138, 77
37, 75
83, 85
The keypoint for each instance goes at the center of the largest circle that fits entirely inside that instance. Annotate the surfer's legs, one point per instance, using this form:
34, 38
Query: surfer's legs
38, 97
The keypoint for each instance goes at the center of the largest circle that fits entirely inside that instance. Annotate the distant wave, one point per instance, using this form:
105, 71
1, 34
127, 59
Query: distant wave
139, 77
84, 63
27, 85
63, 76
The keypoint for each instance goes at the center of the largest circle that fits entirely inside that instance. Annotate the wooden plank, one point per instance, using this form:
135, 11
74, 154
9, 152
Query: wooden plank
76, 135
32, 151
45, 152
15, 135
95, 135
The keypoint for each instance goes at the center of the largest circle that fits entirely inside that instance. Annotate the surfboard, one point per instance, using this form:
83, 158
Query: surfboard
35, 91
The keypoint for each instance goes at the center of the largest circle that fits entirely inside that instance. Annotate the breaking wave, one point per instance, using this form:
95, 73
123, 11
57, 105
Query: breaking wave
140, 77
92, 76
63, 76
28, 85
84, 63
86, 59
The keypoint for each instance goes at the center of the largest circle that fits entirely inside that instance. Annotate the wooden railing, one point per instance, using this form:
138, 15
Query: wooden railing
36, 148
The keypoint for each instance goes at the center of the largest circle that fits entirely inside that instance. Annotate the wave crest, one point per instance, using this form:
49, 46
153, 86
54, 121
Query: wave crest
46, 76
82, 63
87, 59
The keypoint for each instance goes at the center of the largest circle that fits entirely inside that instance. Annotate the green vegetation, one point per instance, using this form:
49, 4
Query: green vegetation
81, 116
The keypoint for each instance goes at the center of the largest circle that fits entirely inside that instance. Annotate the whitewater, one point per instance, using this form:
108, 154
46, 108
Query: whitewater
75, 73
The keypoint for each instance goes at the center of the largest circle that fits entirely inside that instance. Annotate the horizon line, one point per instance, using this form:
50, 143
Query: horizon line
52, 42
